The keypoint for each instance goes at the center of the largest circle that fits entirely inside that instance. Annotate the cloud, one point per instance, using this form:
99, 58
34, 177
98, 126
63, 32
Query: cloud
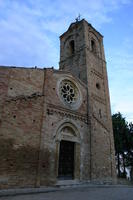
30, 29
125, 107
29, 36
22, 40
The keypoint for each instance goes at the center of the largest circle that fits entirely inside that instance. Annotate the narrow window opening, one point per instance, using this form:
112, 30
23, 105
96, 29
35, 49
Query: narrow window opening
93, 46
100, 113
72, 47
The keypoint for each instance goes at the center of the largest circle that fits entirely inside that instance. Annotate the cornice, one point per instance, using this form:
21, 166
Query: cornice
52, 109
99, 99
101, 122
97, 73
24, 97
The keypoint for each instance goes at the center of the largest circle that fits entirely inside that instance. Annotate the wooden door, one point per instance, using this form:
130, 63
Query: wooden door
66, 160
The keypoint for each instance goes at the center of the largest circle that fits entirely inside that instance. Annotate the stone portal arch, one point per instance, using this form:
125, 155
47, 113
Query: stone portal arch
68, 151
68, 131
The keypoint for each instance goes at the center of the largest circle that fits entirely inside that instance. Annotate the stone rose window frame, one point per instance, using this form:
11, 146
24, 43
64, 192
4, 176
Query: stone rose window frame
69, 92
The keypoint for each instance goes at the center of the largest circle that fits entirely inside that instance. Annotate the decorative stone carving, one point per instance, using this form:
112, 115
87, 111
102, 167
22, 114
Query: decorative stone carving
69, 93
67, 131
99, 99
66, 113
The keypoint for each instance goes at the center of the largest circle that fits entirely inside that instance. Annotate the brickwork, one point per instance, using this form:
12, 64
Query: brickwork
34, 118
20, 128
92, 71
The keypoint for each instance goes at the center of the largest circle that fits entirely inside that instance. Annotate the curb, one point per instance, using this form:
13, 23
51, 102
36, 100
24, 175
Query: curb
24, 191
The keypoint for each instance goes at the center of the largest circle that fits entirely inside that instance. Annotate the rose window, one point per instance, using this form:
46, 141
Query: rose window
68, 91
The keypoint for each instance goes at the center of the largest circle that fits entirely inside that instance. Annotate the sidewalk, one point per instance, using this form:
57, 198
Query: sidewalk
58, 187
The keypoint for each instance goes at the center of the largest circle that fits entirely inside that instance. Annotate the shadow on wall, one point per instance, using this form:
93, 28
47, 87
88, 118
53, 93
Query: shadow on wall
18, 163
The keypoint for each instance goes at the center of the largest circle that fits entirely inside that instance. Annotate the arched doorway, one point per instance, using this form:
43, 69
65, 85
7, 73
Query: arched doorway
68, 141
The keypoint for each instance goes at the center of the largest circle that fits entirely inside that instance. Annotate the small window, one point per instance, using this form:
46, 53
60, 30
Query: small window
98, 86
72, 47
100, 113
93, 46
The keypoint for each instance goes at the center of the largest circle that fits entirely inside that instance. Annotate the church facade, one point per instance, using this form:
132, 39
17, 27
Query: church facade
56, 124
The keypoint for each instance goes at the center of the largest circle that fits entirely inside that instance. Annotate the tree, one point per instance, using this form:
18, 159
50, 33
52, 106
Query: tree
130, 146
123, 138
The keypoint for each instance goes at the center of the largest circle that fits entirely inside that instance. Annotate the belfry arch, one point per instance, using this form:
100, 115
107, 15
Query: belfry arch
68, 151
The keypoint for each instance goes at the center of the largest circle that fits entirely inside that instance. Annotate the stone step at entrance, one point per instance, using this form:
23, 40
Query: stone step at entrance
70, 183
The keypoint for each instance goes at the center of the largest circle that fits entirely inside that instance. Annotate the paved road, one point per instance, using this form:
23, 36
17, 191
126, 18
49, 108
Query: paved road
96, 193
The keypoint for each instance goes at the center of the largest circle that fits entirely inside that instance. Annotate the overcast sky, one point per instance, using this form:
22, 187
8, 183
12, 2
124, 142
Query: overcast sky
30, 29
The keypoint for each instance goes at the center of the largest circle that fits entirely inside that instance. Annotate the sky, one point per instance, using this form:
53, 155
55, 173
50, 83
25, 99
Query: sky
30, 30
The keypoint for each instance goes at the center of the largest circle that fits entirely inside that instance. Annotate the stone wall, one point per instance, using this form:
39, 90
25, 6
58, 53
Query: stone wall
32, 114
20, 126
89, 65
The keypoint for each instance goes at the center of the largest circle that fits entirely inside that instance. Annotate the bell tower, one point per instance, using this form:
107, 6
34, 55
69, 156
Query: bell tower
73, 50
78, 43
82, 54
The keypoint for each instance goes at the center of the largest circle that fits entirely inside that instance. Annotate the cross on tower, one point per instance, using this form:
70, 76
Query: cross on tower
78, 18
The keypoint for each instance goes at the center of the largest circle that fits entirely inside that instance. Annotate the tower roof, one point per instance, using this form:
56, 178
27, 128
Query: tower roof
73, 24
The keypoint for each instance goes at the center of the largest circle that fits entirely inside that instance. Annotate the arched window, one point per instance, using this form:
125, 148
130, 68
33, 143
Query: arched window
72, 47
93, 46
